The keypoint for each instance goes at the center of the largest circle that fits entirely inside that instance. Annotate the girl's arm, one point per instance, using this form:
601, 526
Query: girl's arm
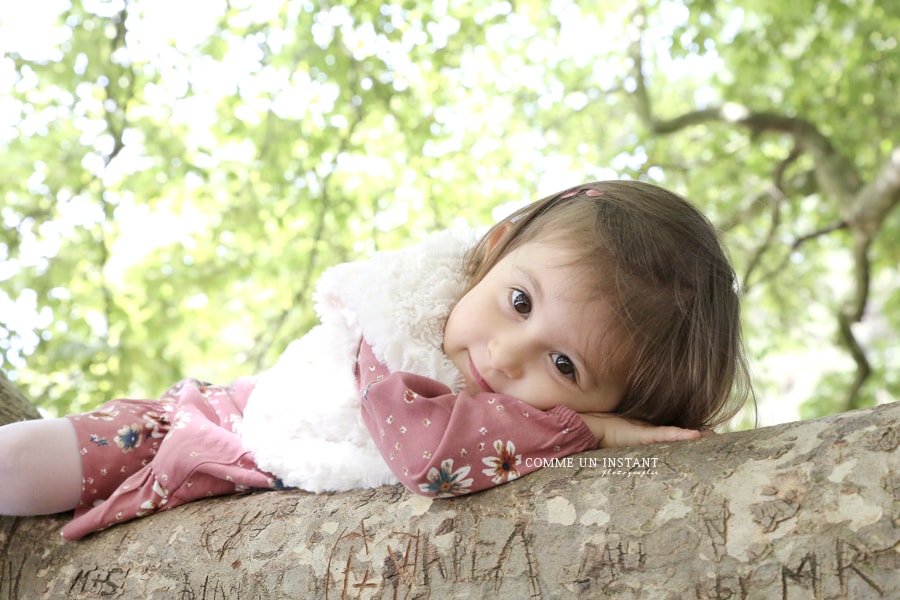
443, 444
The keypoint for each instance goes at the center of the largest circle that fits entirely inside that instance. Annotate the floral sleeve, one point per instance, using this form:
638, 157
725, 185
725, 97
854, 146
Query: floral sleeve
443, 444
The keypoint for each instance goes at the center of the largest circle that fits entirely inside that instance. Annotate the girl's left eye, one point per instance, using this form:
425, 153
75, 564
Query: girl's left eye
564, 365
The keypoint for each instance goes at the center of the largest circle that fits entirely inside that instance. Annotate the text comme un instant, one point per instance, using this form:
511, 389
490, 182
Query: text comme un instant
614, 462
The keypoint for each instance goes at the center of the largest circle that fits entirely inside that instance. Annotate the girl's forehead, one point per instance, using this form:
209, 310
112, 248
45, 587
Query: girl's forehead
566, 270
574, 287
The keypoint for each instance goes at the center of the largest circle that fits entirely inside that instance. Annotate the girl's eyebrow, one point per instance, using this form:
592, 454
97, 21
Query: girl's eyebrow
533, 282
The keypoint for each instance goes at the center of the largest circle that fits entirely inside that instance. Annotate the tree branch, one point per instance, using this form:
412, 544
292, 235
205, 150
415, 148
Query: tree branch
14, 406
818, 233
878, 198
771, 235
863, 207
835, 174
805, 507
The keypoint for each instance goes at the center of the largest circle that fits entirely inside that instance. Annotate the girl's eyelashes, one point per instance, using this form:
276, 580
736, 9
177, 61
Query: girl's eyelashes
520, 301
564, 365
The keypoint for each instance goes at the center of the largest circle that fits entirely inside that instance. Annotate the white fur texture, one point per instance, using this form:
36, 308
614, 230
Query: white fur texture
303, 421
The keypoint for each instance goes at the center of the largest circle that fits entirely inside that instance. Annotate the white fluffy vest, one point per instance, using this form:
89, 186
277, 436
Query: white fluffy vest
303, 421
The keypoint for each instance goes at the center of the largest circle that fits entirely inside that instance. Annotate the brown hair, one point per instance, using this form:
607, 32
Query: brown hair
659, 263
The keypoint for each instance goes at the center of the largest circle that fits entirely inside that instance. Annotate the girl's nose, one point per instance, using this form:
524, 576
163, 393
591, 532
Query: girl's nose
507, 356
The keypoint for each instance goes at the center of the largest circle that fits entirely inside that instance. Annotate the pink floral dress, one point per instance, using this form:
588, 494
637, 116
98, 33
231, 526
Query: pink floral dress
442, 444
143, 456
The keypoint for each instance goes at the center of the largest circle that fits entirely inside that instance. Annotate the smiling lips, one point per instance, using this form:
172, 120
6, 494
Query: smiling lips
478, 378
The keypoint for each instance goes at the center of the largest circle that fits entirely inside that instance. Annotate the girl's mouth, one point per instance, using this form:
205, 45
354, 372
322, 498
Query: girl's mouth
479, 380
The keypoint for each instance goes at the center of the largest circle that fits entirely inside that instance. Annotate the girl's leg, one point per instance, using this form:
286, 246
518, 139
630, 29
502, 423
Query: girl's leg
40, 467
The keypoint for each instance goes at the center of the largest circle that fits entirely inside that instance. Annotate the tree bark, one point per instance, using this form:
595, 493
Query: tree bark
801, 510
13, 404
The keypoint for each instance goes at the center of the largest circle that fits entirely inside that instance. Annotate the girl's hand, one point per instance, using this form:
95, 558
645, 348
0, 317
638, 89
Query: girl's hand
613, 431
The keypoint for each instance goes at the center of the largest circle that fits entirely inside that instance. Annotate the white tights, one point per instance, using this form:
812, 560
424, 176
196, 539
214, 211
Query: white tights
40, 467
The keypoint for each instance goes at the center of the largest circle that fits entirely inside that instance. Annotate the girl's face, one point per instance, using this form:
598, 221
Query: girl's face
531, 330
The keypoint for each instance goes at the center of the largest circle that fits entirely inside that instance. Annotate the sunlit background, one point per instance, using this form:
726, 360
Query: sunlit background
175, 175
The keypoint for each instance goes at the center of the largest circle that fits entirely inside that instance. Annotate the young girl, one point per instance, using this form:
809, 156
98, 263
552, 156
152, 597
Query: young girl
606, 315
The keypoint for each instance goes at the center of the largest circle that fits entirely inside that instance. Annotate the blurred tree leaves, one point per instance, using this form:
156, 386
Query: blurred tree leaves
175, 177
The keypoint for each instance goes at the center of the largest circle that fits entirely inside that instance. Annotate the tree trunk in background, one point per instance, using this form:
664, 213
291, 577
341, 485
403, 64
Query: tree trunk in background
13, 404
801, 510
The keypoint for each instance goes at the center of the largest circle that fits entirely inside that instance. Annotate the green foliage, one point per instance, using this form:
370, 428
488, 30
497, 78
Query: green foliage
172, 187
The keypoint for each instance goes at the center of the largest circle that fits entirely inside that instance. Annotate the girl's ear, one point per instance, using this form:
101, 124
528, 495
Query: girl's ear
496, 236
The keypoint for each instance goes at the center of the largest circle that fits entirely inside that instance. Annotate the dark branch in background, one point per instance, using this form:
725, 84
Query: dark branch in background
116, 116
118, 93
116, 110
863, 206
265, 339
777, 200
818, 233
779, 197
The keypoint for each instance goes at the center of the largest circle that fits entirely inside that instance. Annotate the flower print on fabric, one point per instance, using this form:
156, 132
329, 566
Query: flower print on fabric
103, 415
100, 441
151, 506
445, 482
182, 419
156, 423
144, 469
503, 466
129, 437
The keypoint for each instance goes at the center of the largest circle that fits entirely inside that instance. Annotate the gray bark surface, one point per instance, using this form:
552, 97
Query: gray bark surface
801, 510
13, 404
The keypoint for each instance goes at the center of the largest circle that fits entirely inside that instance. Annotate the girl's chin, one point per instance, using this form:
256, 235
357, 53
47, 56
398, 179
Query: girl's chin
472, 388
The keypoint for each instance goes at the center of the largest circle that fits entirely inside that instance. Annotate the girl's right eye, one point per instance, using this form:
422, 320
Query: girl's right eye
520, 301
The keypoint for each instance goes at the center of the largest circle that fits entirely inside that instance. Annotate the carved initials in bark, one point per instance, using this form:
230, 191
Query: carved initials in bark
771, 513
803, 510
